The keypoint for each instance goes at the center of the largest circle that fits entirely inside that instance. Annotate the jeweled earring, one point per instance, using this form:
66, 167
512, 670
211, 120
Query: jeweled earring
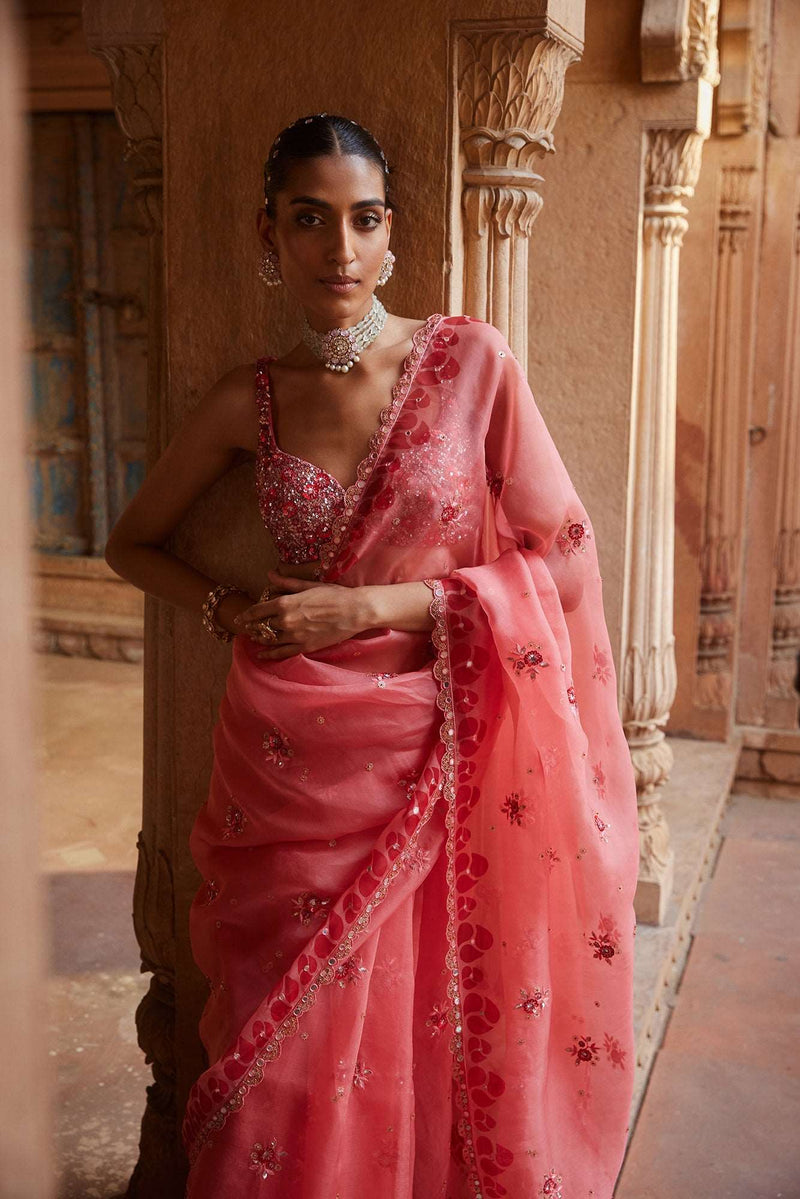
269, 268
386, 268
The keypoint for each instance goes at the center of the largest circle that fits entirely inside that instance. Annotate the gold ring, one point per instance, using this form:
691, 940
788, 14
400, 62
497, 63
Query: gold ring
265, 627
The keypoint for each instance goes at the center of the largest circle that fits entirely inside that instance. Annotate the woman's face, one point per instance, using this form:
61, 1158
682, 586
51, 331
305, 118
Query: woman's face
331, 221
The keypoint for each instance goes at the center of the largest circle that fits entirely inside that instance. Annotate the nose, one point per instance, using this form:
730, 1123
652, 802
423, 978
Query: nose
341, 250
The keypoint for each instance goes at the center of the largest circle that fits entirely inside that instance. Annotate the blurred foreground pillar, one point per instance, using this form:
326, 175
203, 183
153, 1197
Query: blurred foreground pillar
25, 1133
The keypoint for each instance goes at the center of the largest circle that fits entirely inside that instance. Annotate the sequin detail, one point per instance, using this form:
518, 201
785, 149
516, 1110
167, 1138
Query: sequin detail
514, 808
278, 750
235, 820
534, 1001
361, 1074
527, 659
573, 536
551, 1187
298, 500
306, 906
265, 1159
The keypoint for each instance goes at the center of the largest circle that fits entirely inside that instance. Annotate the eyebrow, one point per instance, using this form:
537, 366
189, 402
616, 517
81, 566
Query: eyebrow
324, 203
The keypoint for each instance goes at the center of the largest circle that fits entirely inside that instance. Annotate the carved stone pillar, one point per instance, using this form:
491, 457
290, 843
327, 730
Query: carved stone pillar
510, 89
679, 46
782, 693
136, 78
722, 510
648, 678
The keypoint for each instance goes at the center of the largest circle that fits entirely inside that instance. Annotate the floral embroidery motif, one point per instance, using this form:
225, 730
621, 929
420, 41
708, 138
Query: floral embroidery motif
599, 780
602, 665
602, 826
437, 1021
361, 1074
605, 943
551, 856
409, 785
494, 481
571, 695
278, 750
550, 756
533, 1002
514, 808
306, 906
551, 1187
572, 536
379, 679
350, 971
616, 1054
212, 890
584, 1050
265, 1159
235, 820
417, 859
528, 659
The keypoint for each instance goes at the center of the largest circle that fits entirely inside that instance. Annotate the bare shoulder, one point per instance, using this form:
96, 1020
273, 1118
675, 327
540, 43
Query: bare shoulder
229, 410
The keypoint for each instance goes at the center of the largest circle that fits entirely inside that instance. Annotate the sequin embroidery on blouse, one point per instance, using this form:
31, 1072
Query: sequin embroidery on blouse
298, 500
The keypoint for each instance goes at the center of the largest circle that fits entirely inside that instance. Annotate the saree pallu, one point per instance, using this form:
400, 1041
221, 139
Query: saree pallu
419, 853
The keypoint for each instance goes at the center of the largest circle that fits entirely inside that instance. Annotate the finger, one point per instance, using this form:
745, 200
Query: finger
258, 611
293, 583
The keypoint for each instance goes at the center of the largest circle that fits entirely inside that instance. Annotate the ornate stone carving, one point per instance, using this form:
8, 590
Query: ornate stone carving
679, 41
136, 79
648, 676
744, 54
135, 72
510, 89
722, 509
783, 698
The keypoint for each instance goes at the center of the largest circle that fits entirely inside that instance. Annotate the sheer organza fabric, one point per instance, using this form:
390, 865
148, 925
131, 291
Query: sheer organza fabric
419, 853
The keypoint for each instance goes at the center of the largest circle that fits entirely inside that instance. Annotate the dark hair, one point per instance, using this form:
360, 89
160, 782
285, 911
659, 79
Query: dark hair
318, 136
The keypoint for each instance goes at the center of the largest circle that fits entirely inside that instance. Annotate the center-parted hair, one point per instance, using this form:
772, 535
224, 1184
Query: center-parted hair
319, 136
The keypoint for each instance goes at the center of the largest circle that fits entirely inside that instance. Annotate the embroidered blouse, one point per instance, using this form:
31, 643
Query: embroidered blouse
298, 500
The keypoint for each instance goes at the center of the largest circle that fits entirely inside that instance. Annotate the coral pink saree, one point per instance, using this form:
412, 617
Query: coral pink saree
419, 853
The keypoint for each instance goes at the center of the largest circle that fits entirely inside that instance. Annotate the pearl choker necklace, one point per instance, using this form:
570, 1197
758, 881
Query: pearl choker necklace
340, 349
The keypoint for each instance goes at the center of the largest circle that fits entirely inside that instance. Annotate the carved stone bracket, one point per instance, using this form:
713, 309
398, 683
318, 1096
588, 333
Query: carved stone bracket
135, 72
510, 89
722, 510
679, 41
744, 55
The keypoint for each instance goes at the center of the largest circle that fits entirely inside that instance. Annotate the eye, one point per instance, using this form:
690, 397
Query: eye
373, 217
301, 220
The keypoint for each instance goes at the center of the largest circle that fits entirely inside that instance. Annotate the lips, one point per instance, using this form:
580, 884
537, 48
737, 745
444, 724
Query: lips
339, 279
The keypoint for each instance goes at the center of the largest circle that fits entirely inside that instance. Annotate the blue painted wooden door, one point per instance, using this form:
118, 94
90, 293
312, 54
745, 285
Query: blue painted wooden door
88, 331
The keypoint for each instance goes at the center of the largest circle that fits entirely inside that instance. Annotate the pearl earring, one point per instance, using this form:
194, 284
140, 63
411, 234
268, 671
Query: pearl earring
269, 268
386, 268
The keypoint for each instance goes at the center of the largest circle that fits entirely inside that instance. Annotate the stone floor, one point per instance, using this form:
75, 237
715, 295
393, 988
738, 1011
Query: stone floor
722, 1107
721, 1112
89, 752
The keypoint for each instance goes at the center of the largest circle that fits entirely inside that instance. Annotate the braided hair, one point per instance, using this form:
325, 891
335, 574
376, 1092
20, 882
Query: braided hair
318, 136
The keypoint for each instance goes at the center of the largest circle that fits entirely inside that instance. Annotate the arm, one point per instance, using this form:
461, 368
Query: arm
204, 448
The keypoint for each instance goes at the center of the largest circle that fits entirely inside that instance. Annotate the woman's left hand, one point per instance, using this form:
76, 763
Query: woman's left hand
306, 614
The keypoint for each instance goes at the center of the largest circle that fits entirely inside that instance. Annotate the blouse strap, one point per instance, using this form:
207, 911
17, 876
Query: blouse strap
263, 398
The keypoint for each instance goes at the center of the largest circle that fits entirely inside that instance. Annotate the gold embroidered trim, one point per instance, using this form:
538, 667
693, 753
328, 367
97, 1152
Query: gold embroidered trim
386, 421
447, 732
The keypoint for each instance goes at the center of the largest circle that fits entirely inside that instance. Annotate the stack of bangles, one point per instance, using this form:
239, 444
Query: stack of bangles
211, 603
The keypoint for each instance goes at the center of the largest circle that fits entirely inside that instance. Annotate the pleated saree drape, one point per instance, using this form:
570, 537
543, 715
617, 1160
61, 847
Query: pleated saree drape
419, 853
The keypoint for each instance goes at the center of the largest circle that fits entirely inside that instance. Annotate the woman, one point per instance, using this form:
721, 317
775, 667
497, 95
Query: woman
419, 849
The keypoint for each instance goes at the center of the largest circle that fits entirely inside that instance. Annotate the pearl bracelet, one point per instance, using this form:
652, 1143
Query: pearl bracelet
209, 609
